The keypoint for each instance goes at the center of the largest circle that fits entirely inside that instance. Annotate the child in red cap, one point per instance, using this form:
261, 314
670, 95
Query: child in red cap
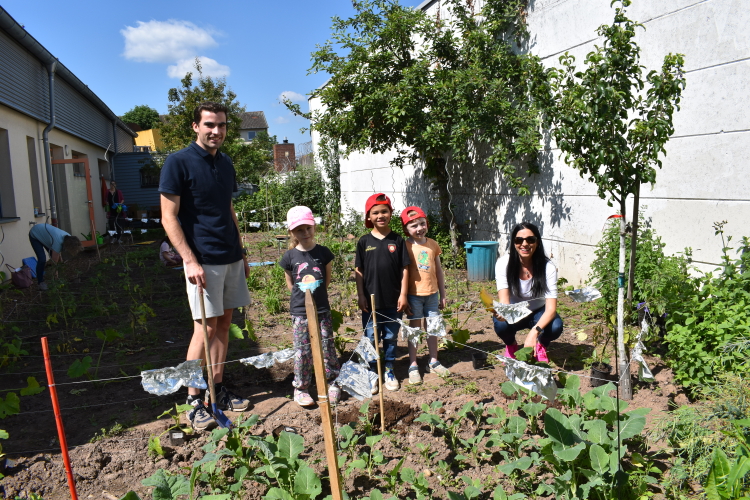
381, 269
426, 294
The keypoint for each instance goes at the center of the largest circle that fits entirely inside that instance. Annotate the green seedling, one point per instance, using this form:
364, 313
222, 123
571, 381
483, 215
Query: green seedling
368, 461
418, 483
107, 336
176, 415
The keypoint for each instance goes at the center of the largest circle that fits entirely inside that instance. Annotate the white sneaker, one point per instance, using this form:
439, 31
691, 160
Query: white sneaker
414, 376
391, 383
373, 382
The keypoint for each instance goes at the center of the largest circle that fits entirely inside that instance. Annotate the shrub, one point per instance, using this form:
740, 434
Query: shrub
709, 334
660, 280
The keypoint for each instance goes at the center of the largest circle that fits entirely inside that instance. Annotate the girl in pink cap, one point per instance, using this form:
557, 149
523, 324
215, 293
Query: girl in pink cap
308, 266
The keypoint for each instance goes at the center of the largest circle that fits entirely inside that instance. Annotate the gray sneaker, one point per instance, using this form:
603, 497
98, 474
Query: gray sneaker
42, 286
438, 369
414, 376
199, 417
227, 400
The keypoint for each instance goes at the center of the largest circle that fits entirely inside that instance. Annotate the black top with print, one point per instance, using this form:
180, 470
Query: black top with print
382, 264
307, 267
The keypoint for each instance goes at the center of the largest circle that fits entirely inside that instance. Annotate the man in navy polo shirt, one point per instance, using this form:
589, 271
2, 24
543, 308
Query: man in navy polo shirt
196, 189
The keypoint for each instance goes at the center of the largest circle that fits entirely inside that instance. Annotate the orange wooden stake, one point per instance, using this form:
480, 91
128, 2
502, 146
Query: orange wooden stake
58, 419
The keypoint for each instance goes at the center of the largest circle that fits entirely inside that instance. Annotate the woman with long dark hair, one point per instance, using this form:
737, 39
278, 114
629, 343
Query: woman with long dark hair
526, 274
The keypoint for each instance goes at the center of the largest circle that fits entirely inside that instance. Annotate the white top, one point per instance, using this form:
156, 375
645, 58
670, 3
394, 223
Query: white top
501, 268
164, 248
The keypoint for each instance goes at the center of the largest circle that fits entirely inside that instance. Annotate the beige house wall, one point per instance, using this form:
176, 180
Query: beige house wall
16, 244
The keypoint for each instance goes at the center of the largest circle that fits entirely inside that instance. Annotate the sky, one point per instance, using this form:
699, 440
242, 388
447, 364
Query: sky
131, 53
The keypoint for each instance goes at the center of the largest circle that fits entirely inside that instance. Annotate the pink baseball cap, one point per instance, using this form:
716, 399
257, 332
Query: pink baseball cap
296, 216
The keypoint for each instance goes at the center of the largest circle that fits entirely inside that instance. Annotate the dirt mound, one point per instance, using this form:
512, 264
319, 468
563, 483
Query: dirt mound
396, 413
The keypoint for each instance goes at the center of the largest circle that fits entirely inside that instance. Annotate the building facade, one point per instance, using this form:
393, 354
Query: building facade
48, 120
704, 178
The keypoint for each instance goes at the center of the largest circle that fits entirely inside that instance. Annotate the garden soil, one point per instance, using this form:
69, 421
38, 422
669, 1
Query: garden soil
108, 422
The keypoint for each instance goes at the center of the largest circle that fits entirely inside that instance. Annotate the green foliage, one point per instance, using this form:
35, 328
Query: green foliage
167, 486
79, 367
695, 431
252, 160
305, 186
11, 352
708, 334
726, 481
660, 280
142, 115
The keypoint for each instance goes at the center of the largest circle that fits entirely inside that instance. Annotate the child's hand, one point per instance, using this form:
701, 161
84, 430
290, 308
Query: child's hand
443, 303
363, 304
403, 305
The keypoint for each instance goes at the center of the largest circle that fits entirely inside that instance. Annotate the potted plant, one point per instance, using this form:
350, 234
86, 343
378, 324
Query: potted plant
600, 365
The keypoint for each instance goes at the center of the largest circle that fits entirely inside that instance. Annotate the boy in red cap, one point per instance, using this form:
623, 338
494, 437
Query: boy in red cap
426, 294
381, 268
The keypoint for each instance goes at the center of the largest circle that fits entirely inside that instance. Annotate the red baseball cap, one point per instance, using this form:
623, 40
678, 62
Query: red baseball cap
371, 202
411, 213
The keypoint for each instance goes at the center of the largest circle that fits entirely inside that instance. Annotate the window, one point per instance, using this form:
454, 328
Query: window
34, 174
149, 178
250, 135
79, 170
7, 196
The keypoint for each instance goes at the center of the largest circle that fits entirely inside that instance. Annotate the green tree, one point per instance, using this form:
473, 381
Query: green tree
144, 116
254, 159
177, 130
612, 124
433, 90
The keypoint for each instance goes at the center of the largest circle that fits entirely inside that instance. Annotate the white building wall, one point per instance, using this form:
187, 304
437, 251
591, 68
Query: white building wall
705, 173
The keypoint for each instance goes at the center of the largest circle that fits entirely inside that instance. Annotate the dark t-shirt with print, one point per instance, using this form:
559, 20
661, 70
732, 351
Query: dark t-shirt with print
307, 267
382, 264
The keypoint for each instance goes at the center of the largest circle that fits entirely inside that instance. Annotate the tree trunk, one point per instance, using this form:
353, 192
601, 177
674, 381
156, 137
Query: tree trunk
633, 245
623, 368
437, 173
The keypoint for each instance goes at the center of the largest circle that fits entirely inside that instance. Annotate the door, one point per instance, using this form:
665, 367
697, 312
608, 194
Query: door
74, 198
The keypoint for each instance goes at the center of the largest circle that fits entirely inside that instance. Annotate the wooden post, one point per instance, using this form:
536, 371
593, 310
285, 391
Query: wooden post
374, 318
313, 327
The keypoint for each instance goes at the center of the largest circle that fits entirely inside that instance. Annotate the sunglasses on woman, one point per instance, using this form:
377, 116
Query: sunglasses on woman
529, 239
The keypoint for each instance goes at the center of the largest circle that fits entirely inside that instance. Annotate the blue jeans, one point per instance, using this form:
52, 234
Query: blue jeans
424, 305
387, 332
41, 258
507, 332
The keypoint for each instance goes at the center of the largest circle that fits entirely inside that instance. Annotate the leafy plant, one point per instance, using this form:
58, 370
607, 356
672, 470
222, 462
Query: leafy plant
727, 480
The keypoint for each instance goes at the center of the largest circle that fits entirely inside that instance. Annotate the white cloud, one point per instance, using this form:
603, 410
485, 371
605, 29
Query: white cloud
292, 96
165, 41
281, 119
209, 67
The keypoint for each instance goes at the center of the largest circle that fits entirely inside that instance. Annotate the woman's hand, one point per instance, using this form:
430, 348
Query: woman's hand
531, 339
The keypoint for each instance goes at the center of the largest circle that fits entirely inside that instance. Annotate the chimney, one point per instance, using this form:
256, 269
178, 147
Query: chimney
284, 158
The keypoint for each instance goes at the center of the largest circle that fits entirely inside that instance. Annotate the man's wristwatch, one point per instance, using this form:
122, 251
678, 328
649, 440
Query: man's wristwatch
538, 329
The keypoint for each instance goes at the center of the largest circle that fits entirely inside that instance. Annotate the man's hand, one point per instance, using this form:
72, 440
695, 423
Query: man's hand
363, 304
195, 274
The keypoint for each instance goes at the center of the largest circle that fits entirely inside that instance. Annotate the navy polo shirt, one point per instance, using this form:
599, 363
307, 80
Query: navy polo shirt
205, 184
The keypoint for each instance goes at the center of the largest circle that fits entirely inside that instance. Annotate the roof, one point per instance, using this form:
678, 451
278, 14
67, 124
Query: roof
20, 35
253, 119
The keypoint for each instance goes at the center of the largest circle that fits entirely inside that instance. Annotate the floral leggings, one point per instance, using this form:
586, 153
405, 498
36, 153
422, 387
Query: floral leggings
303, 360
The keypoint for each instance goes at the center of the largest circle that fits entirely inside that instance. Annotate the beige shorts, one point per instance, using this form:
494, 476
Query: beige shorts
226, 288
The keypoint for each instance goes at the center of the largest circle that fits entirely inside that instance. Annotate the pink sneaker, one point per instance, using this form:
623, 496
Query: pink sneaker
510, 350
541, 353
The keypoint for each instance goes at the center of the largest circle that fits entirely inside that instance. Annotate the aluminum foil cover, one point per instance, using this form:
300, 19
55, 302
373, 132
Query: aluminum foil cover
366, 350
535, 378
354, 378
411, 334
163, 381
267, 359
587, 294
512, 313
644, 372
436, 326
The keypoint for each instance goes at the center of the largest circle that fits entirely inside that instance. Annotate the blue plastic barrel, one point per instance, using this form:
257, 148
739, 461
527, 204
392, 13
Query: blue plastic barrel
480, 260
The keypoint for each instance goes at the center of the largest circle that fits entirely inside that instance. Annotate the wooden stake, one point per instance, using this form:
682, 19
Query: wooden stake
58, 420
380, 370
313, 327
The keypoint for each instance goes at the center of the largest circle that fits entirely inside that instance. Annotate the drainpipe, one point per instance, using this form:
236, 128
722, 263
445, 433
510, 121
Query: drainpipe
114, 140
47, 157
